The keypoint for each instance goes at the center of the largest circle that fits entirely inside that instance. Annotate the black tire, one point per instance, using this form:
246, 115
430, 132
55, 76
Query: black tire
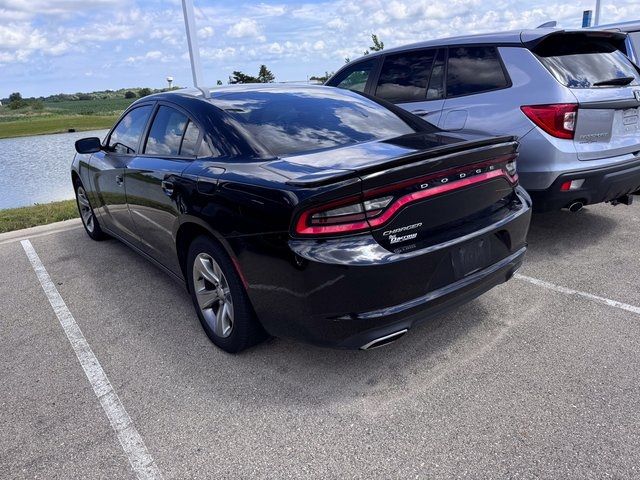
93, 229
245, 330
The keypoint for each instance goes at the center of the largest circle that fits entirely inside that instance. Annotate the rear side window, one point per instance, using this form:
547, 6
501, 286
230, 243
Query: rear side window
125, 137
581, 61
355, 78
405, 77
190, 140
474, 70
436, 82
165, 136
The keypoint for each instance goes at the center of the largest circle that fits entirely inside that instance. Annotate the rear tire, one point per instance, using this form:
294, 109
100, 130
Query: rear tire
88, 217
219, 297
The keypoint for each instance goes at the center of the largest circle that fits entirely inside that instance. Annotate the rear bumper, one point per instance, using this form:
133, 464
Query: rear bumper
601, 184
369, 326
345, 293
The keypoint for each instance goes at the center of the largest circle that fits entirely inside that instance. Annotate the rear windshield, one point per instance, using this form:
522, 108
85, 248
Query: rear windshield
586, 62
290, 121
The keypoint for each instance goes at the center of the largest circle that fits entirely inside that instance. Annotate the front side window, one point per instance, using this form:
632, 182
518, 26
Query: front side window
167, 130
125, 137
404, 77
586, 62
474, 70
355, 78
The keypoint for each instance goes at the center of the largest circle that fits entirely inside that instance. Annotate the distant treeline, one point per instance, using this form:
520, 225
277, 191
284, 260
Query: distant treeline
16, 100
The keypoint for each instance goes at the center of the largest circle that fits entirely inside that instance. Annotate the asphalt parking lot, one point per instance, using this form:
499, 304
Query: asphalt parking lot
532, 379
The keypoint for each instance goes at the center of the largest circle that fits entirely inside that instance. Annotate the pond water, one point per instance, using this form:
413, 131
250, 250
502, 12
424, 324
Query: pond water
37, 169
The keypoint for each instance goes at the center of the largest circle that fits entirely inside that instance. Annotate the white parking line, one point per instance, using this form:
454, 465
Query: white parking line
570, 291
141, 461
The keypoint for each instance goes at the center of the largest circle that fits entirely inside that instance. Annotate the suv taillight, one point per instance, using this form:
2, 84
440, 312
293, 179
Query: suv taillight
558, 120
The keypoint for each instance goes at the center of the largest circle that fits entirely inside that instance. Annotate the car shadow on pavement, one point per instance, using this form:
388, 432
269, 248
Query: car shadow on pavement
320, 377
561, 233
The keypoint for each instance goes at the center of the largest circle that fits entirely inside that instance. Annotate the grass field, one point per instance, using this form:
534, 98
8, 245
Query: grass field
39, 214
54, 124
61, 116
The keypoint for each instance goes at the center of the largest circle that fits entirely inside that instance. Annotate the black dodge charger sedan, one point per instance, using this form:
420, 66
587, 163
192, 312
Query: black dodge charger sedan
305, 212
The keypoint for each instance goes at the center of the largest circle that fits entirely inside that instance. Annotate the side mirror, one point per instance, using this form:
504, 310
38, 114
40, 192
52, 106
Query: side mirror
88, 145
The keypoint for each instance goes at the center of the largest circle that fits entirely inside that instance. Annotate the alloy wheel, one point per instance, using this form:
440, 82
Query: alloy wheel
85, 209
213, 295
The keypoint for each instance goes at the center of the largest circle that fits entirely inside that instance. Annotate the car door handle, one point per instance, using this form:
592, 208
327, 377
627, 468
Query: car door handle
420, 113
119, 180
167, 187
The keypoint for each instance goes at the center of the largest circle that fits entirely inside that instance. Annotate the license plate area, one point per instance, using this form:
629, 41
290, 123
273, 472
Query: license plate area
471, 257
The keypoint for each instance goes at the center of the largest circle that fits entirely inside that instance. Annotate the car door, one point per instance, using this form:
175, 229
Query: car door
414, 80
108, 168
152, 181
475, 83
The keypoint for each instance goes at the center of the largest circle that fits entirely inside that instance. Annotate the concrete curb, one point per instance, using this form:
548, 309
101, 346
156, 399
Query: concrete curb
40, 230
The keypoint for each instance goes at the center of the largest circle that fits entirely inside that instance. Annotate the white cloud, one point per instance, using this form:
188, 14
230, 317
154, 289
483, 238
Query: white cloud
245, 27
296, 38
206, 32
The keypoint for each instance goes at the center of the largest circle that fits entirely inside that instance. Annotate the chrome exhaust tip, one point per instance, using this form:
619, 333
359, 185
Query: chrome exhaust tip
386, 340
575, 207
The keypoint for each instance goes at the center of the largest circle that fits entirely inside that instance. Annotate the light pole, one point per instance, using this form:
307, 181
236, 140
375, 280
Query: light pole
192, 41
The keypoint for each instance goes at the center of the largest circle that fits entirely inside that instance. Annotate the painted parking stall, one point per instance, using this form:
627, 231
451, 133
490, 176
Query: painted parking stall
526, 367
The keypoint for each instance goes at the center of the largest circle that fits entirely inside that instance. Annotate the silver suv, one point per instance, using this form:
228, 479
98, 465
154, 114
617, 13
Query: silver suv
571, 97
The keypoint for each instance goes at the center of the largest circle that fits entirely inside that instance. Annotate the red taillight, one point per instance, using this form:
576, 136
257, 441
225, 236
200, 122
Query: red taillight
348, 215
558, 120
355, 214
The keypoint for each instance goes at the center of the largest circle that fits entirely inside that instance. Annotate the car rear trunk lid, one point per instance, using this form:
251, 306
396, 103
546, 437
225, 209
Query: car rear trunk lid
413, 197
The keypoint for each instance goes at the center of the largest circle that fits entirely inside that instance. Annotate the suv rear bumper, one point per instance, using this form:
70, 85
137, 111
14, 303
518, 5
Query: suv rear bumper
602, 184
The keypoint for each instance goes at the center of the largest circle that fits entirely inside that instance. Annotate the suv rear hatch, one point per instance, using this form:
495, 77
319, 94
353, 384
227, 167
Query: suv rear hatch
606, 85
414, 193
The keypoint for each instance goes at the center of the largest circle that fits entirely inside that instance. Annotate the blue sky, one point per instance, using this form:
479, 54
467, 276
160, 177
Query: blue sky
52, 46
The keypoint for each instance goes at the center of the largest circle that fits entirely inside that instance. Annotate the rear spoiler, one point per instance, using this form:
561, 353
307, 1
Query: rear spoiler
441, 158
532, 40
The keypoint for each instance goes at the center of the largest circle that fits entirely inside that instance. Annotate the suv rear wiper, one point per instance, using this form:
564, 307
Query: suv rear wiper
614, 81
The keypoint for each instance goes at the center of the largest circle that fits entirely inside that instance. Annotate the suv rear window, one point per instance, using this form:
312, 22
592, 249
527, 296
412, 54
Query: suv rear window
586, 62
474, 70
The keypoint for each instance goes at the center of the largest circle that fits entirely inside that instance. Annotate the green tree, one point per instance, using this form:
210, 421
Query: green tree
239, 77
129, 94
143, 92
219, 82
376, 47
265, 75
16, 101
377, 44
